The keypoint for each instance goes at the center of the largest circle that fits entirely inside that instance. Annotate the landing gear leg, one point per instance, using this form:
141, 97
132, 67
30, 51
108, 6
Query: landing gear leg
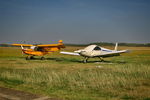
100, 59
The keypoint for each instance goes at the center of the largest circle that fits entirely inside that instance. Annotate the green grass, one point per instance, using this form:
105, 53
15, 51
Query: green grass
119, 78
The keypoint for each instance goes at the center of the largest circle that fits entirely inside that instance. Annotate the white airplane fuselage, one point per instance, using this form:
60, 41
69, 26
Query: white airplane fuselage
96, 51
92, 51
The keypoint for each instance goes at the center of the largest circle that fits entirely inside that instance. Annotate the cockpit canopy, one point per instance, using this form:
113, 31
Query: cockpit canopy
92, 47
97, 48
35, 48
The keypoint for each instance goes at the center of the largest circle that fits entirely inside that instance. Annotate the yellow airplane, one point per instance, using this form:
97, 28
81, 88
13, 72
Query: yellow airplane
40, 50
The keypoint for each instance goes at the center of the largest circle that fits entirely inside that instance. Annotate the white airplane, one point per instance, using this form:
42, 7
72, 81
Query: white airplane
92, 51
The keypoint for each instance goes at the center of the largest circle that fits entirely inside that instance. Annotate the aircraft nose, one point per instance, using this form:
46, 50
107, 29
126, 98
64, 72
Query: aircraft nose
78, 51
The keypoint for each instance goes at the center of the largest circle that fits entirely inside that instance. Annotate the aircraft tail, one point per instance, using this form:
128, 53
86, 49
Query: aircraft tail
60, 41
116, 47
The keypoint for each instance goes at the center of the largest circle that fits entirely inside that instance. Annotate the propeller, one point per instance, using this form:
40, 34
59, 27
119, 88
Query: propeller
22, 49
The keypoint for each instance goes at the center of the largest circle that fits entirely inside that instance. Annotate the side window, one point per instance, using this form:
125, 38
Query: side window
97, 48
39, 49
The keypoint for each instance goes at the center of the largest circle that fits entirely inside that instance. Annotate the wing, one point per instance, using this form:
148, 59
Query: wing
113, 53
49, 45
60, 45
25, 45
70, 53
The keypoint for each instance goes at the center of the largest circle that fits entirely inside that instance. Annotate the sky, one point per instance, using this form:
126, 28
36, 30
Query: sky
74, 21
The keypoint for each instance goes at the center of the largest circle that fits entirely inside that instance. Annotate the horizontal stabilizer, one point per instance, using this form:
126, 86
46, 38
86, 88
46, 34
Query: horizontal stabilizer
124, 51
70, 53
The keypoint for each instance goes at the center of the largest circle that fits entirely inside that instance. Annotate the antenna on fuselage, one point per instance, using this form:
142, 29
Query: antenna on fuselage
116, 47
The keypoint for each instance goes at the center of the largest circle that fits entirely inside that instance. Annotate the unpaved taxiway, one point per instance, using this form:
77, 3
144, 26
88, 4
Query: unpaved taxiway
11, 94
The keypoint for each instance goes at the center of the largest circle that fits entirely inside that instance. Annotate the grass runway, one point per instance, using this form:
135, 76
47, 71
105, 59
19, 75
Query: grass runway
126, 77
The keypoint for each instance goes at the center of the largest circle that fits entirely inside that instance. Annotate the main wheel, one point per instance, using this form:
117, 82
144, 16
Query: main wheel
31, 57
42, 58
85, 60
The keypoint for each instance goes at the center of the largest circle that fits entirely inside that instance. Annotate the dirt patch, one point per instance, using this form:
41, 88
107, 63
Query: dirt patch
11, 94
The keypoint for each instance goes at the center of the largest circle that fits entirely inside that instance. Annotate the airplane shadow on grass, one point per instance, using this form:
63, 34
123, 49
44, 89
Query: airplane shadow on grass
81, 61
106, 62
62, 59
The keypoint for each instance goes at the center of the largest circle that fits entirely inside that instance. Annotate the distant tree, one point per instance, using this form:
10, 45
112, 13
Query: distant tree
5, 45
112, 44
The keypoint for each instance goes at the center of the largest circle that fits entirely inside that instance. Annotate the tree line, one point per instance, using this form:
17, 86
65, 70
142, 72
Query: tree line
98, 43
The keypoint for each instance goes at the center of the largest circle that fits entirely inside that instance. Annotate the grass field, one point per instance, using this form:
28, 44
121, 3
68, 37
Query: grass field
63, 76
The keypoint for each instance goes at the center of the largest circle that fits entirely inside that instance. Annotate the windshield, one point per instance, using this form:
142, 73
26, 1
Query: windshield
97, 48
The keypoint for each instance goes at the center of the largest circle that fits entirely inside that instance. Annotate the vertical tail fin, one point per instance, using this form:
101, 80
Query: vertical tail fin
116, 47
60, 41
61, 45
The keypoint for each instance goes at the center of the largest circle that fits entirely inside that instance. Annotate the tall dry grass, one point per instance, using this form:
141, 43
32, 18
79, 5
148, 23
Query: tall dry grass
125, 77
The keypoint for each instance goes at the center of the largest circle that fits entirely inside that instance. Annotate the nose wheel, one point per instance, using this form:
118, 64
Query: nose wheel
29, 57
85, 60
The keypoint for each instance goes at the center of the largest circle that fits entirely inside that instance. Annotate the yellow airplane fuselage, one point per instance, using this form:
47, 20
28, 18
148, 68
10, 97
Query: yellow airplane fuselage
34, 53
44, 51
40, 50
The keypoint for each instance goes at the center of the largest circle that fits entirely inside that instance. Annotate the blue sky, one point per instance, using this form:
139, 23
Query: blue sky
74, 21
